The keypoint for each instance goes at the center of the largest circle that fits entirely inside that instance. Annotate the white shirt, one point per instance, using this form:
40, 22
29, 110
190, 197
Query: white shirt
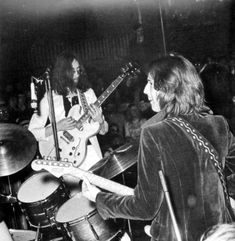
38, 121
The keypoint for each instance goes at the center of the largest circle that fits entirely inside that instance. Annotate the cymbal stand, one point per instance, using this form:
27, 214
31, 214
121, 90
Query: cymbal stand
52, 114
128, 220
38, 235
14, 223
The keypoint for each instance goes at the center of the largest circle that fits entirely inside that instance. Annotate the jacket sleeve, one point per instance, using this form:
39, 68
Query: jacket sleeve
38, 121
147, 198
230, 163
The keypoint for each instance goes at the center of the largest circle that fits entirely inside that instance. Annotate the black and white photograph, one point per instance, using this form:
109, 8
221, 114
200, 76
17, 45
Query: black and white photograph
117, 120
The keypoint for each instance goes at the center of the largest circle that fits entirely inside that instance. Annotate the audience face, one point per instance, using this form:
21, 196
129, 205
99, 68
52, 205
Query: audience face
13, 102
134, 112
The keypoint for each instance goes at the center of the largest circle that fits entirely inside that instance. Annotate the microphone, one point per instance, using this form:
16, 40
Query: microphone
38, 80
34, 98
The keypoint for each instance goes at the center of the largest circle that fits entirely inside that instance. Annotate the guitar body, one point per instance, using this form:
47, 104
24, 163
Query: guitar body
72, 143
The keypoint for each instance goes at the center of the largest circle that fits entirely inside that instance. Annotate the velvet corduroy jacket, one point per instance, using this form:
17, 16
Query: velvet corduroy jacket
193, 183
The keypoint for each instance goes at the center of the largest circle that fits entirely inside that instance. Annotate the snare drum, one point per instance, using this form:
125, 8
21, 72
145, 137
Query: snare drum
82, 221
40, 196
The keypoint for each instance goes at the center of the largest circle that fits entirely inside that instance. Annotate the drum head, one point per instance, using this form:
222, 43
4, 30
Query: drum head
75, 208
38, 187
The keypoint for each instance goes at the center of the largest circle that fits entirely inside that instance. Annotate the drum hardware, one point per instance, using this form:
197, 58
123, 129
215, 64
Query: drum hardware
11, 200
92, 228
65, 233
38, 235
128, 220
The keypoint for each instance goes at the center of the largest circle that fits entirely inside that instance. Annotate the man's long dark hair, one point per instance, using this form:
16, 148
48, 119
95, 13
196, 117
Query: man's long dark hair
62, 75
180, 88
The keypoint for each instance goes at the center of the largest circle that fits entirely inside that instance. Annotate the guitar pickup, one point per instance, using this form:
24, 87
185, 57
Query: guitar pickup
68, 136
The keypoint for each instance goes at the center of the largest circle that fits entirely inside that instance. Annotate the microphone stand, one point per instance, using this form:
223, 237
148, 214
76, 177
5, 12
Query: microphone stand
52, 114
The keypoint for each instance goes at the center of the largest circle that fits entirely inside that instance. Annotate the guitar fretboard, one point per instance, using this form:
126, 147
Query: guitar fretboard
102, 97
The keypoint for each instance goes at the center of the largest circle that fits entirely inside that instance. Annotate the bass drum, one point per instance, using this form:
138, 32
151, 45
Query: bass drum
40, 196
80, 218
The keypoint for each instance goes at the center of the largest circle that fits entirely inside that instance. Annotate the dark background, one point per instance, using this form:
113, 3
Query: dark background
196, 29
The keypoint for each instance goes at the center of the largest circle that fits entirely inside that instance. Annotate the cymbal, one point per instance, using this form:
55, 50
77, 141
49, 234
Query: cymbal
17, 148
119, 160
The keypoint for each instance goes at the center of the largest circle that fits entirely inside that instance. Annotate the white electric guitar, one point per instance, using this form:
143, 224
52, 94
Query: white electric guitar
73, 143
60, 168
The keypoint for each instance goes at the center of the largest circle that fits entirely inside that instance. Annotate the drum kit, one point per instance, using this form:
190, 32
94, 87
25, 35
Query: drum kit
45, 200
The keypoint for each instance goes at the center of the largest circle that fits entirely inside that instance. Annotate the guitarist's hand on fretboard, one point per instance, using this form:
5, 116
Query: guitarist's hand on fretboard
96, 113
88, 190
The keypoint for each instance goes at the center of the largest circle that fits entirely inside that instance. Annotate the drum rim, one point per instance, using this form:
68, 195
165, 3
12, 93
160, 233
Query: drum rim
76, 220
38, 201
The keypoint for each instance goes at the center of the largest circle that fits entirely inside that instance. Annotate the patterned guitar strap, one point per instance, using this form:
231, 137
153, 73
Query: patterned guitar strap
210, 150
83, 102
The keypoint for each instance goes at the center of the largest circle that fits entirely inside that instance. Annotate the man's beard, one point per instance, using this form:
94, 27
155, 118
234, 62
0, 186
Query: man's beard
75, 82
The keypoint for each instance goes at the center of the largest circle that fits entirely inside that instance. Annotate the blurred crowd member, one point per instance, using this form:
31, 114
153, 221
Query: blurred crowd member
4, 113
145, 109
216, 79
116, 115
112, 140
134, 121
24, 112
13, 109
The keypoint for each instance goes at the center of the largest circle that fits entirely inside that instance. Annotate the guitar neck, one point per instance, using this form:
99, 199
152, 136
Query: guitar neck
60, 168
104, 183
109, 91
102, 98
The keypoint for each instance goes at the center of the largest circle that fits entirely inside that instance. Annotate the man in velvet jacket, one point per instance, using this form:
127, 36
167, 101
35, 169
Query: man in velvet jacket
175, 90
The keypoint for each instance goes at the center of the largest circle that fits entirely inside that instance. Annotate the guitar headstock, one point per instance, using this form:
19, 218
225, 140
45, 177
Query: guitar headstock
56, 168
131, 69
